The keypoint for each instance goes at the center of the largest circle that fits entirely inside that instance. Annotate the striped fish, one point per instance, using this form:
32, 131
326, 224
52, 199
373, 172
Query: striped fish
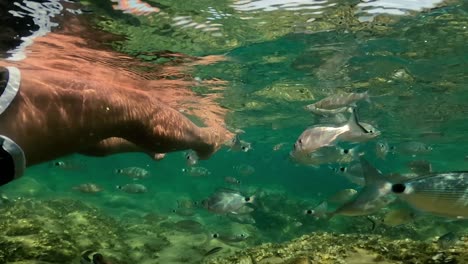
443, 194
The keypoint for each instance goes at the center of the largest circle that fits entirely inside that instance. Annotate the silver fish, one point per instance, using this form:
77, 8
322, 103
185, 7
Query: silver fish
191, 158
225, 201
381, 149
413, 148
132, 188
340, 100
67, 165
244, 169
230, 238
236, 144
184, 211
88, 188
320, 136
196, 171
232, 180
443, 194
420, 167
133, 172
352, 172
326, 154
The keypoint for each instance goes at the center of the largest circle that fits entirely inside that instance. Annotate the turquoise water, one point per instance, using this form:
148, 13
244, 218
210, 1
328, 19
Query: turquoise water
279, 58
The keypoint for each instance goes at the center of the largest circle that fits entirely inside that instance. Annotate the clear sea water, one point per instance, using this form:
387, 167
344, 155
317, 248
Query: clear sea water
411, 56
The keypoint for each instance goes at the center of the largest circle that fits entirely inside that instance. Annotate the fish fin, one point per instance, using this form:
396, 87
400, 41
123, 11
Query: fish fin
321, 211
353, 122
370, 173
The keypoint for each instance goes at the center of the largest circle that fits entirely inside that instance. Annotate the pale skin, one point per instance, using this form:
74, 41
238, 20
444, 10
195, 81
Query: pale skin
53, 116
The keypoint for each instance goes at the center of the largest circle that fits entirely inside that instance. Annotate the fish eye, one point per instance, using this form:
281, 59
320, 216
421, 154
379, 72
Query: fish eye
188, 157
398, 188
119, 170
346, 151
247, 199
58, 163
308, 211
174, 210
242, 235
300, 141
215, 235
243, 147
342, 169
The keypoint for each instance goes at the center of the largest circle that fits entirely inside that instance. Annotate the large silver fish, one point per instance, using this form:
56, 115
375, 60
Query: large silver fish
443, 194
318, 137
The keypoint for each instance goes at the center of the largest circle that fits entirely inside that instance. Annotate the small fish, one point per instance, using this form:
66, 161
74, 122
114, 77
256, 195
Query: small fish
340, 100
278, 146
230, 238
67, 165
159, 156
381, 149
184, 211
196, 171
342, 196
420, 167
191, 158
132, 188
413, 148
225, 201
133, 172
88, 188
326, 154
212, 251
448, 240
319, 212
399, 216
232, 180
244, 169
236, 144
188, 225
352, 172
442, 194
431, 135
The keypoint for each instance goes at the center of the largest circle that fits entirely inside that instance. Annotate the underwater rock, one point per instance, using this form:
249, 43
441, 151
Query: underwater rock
348, 248
287, 92
57, 231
